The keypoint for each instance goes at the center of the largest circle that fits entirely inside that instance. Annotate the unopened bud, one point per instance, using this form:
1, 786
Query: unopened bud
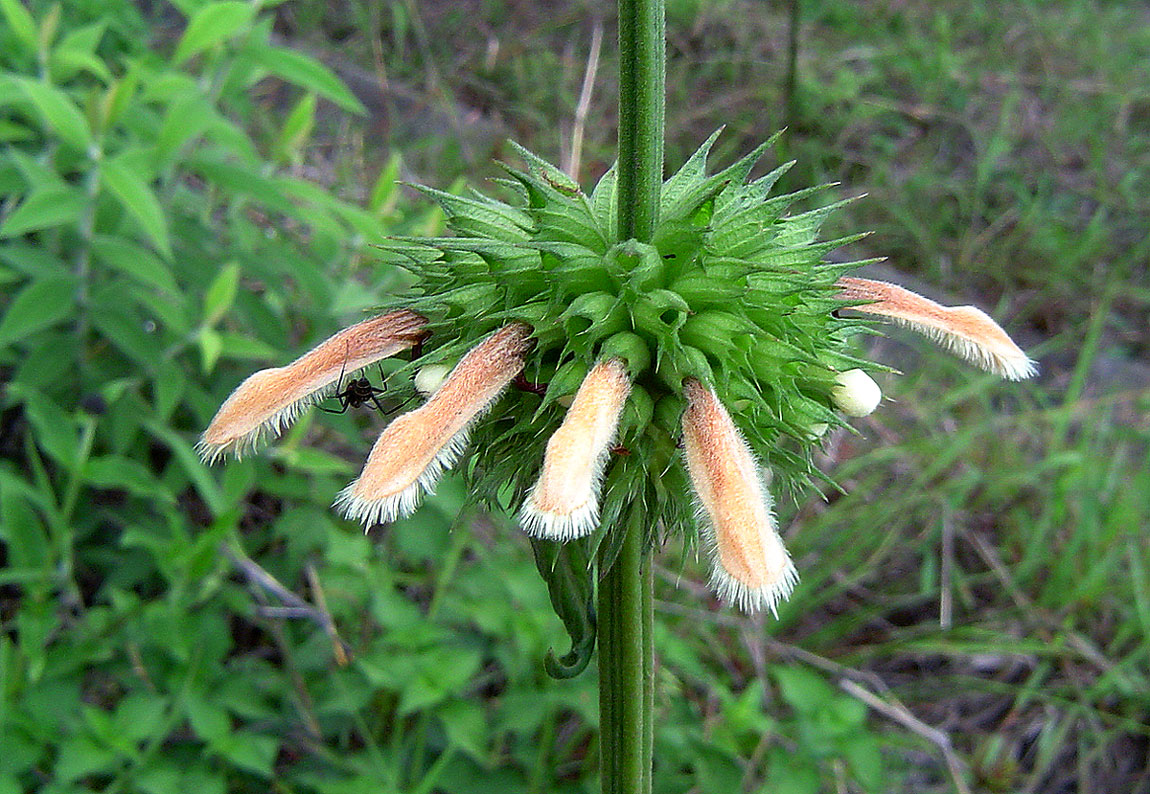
856, 393
430, 378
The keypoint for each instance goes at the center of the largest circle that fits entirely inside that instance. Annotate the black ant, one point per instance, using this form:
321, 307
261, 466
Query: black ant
359, 391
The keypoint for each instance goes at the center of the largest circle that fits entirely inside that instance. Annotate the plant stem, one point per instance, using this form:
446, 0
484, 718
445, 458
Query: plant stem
626, 680
626, 683
642, 68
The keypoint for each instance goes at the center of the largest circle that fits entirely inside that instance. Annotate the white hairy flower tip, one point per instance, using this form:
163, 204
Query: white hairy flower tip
855, 393
412, 452
271, 399
564, 503
430, 378
750, 564
967, 332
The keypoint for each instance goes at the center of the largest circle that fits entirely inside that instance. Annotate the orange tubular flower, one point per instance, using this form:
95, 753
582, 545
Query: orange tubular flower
751, 567
271, 399
413, 451
564, 503
964, 330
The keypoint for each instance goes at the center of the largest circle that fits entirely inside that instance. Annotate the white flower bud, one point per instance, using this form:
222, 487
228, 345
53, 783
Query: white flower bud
856, 393
430, 378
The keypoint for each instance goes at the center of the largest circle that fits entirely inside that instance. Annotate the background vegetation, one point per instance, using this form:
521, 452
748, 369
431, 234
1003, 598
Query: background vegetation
187, 194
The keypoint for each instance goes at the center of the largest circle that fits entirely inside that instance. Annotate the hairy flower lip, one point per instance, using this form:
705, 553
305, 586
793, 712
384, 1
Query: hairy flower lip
966, 331
271, 399
751, 566
564, 502
413, 451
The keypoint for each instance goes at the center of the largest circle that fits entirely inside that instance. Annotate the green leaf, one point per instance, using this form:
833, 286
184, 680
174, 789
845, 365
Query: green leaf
113, 472
80, 756
134, 260
25, 540
865, 761
296, 130
21, 23
466, 728
209, 720
138, 199
77, 51
44, 208
56, 431
211, 25
59, 111
221, 293
250, 751
307, 73
442, 672
39, 305
806, 692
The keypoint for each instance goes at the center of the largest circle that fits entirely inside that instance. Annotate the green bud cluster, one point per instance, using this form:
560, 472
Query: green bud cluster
731, 290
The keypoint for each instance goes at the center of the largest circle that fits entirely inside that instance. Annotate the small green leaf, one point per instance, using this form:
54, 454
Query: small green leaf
138, 199
80, 756
44, 208
466, 728
59, 111
210, 346
221, 294
307, 73
250, 751
865, 761
56, 431
211, 25
77, 52
134, 260
296, 130
39, 305
386, 189
113, 472
806, 692
209, 720
23, 533
22, 24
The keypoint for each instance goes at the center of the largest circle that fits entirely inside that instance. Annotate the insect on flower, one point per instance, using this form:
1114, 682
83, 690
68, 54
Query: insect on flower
271, 399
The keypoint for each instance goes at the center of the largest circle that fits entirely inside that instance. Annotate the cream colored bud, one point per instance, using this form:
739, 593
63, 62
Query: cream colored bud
964, 330
751, 567
430, 378
564, 503
856, 393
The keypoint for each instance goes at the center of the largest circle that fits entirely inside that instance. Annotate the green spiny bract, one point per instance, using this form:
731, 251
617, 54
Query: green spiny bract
731, 290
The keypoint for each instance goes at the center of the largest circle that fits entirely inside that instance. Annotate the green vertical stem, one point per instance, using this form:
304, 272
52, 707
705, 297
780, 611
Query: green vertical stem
626, 692
647, 582
642, 68
625, 666
790, 90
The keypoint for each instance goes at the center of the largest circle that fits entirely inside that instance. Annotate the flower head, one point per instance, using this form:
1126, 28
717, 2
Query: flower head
642, 372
